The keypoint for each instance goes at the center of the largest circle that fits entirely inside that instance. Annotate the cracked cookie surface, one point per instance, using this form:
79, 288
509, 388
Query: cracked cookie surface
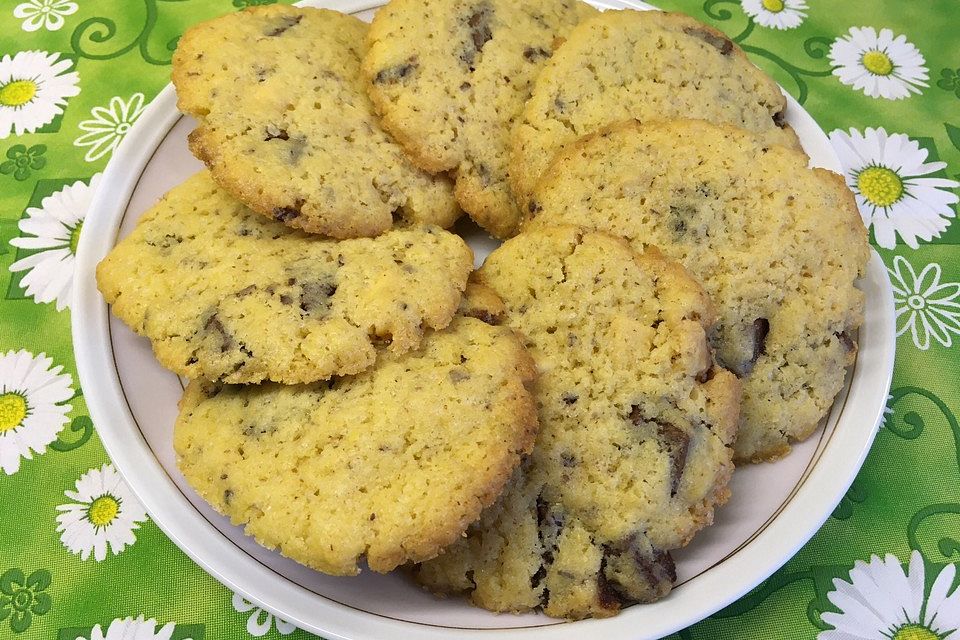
286, 126
644, 65
450, 77
777, 246
392, 464
225, 294
636, 430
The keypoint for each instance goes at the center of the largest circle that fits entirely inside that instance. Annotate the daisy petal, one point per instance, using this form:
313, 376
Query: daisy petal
53, 85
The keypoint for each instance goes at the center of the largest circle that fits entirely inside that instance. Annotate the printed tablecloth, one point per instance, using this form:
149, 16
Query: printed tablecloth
79, 556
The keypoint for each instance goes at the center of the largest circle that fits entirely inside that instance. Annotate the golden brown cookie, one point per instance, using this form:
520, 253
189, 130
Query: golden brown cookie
225, 294
390, 465
777, 246
285, 124
636, 430
450, 77
646, 65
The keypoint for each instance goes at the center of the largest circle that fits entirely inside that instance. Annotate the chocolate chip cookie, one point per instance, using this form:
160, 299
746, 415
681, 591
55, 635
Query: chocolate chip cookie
777, 246
450, 77
391, 465
636, 430
286, 126
646, 65
225, 294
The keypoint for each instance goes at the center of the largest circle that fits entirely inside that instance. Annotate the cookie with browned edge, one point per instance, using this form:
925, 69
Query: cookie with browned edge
777, 245
645, 65
389, 466
225, 294
450, 77
286, 126
636, 430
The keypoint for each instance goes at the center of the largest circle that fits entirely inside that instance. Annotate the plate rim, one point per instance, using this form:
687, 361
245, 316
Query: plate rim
243, 574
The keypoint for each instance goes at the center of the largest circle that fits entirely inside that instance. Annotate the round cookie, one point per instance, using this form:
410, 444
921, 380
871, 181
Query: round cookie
643, 65
636, 431
392, 464
286, 126
225, 294
777, 246
449, 77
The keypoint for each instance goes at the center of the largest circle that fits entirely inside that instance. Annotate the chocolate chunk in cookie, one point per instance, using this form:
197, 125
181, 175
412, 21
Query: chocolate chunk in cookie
635, 449
778, 256
285, 124
330, 475
225, 294
647, 66
450, 77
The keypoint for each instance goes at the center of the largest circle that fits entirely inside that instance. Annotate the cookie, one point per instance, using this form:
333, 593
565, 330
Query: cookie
225, 294
285, 124
450, 77
777, 246
391, 465
643, 65
636, 431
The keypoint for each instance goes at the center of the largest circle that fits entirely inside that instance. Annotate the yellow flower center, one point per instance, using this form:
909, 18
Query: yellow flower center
878, 63
914, 632
880, 185
13, 411
75, 237
17, 93
103, 510
773, 6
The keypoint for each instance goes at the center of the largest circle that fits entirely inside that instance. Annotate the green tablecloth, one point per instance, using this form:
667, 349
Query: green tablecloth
80, 558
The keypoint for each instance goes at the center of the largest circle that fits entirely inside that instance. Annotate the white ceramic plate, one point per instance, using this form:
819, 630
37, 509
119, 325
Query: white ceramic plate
774, 510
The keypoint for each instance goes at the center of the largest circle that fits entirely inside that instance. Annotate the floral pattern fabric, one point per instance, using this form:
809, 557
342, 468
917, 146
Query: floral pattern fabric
886, 173
132, 629
103, 514
80, 557
882, 599
34, 89
45, 14
53, 230
32, 413
879, 64
108, 126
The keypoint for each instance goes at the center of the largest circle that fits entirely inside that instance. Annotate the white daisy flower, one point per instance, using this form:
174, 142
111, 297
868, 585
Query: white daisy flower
885, 171
104, 513
31, 409
879, 65
260, 621
54, 231
880, 601
44, 13
925, 307
34, 88
109, 125
777, 14
133, 629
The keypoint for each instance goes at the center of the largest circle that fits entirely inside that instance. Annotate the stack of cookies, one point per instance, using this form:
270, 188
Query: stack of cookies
674, 293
